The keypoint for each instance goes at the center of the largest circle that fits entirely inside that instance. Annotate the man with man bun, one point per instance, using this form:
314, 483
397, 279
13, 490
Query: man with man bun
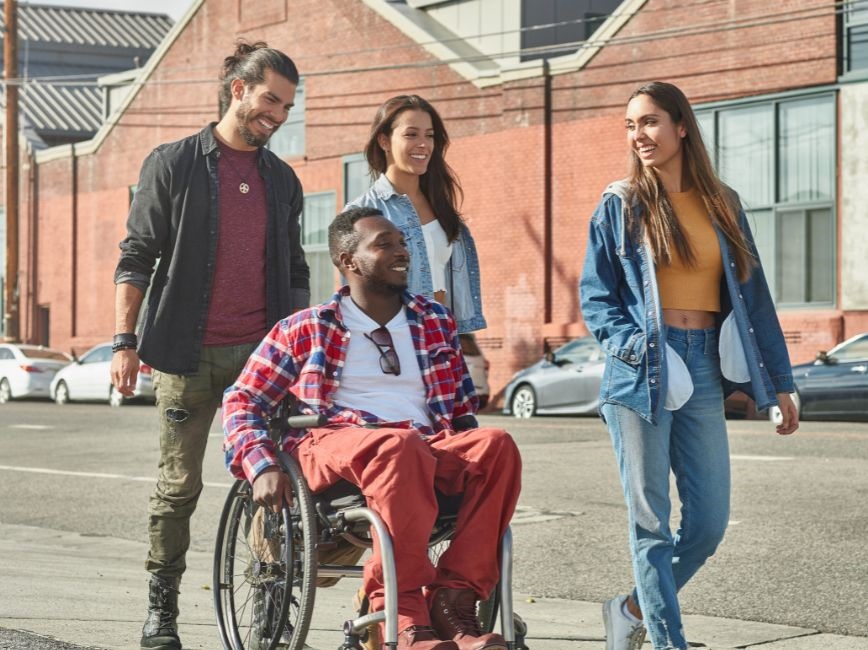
217, 214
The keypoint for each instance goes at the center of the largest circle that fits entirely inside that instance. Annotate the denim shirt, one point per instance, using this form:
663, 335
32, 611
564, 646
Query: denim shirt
174, 219
464, 297
621, 307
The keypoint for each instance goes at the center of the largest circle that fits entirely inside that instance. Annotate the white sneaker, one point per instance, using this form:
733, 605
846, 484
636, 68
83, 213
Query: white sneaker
621, 632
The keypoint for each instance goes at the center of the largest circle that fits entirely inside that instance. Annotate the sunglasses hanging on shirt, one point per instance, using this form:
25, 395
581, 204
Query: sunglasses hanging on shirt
389, 362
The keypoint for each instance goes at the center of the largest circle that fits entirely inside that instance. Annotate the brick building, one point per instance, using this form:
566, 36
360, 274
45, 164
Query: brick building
74, 66
533, 95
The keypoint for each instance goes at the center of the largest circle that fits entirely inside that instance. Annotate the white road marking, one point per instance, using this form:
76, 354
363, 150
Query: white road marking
528, 515
30, 426
59, 472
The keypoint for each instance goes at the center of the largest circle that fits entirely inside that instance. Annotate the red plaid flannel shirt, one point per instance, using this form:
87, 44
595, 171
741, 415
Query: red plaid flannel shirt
304, 355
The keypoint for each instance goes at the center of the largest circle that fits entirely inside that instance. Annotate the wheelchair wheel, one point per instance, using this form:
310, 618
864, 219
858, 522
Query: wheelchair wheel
265, 570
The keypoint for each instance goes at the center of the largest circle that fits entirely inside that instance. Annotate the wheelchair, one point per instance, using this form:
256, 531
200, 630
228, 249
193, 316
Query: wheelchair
267, 565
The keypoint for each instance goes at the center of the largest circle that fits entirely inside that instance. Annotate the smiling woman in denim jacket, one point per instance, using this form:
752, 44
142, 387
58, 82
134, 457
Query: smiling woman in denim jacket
417, 191
673, 290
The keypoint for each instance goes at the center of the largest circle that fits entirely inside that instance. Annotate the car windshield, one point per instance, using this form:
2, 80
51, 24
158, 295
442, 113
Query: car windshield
98, 354
853, 351
39, 353
579, 350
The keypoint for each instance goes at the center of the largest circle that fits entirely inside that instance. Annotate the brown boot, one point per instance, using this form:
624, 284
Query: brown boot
453, 616
418, 637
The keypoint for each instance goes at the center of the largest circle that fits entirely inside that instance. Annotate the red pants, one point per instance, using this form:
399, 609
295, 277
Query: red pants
397, 471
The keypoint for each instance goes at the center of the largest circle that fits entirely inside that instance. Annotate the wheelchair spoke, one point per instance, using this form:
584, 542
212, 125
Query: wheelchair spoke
264, 571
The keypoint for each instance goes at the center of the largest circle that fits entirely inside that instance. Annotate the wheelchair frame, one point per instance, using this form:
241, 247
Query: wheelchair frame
280, 573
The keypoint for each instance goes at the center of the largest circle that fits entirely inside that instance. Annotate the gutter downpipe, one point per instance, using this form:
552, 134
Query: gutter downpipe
33, 326
73, 293
548, 226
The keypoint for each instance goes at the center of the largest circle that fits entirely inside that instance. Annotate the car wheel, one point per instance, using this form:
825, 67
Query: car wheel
523, 402
775, 412
115, 397
5, 391
61, 393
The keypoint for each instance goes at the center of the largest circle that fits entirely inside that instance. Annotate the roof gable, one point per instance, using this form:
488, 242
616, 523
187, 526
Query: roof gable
489, 51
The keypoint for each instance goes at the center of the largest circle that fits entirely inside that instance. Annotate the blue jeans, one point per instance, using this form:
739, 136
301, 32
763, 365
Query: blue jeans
692, 443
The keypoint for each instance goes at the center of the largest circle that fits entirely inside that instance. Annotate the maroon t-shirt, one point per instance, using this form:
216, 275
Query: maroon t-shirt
237, 311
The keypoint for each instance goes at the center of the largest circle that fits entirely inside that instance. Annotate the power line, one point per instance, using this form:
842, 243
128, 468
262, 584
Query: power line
715, 26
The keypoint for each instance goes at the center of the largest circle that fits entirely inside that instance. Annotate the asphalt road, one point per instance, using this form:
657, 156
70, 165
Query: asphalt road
795, 552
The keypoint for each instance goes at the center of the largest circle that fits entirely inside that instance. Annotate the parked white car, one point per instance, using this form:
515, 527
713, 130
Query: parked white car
477, 366
27, 370
89, 379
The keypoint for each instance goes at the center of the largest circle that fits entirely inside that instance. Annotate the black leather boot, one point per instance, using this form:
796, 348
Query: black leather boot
161, 629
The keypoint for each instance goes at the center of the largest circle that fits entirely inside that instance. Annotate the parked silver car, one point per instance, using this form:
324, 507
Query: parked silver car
89, 378
27, 370
566, 381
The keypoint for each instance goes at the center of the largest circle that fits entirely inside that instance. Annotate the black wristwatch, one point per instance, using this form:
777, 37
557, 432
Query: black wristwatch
124, 342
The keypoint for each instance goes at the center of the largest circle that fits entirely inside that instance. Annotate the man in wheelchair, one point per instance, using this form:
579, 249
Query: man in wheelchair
386, 368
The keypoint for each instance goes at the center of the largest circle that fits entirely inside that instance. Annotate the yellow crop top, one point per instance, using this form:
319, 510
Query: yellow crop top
686, 287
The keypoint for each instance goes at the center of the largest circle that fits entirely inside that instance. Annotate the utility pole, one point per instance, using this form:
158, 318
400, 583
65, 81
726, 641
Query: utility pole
10, 131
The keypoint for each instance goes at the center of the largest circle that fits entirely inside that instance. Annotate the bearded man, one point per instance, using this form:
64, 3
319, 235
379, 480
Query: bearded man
217, 214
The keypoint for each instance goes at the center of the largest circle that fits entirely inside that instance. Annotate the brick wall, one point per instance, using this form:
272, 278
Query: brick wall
353, 59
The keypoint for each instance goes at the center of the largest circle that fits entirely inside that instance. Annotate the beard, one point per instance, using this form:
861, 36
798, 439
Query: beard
244, 116
377, 284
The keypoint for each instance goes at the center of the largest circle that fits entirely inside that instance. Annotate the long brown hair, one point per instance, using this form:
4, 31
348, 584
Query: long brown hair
656, 216
439, 183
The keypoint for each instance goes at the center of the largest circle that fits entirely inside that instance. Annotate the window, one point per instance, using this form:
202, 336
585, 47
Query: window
288, 140
780, 157
548, 23
854, 29
357, 180
319, 210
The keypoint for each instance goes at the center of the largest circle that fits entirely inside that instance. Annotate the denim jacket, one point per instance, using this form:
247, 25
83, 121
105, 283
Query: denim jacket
464, 297
621, 307
174, 219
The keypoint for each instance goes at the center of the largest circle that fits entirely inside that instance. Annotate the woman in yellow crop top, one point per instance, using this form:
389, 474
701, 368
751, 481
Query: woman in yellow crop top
672, 290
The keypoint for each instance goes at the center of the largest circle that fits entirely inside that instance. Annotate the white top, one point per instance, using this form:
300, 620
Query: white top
439, 252
365, 387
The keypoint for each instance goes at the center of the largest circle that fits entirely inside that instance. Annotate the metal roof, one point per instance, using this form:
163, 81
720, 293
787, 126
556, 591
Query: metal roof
63, 50
52, 109
40, 23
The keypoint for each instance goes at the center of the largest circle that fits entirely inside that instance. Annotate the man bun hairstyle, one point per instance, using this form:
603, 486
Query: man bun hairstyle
248, 63
343, 236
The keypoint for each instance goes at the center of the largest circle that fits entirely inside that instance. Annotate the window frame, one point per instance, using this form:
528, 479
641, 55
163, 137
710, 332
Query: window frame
346, 161
319, 248
777, 206
846, 24
294, 118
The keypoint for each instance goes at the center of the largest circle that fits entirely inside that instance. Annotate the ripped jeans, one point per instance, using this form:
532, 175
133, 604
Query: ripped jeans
186, 405
690, 443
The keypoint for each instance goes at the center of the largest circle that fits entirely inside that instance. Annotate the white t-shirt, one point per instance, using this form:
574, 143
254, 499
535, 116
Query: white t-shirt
439, 251
365, 387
